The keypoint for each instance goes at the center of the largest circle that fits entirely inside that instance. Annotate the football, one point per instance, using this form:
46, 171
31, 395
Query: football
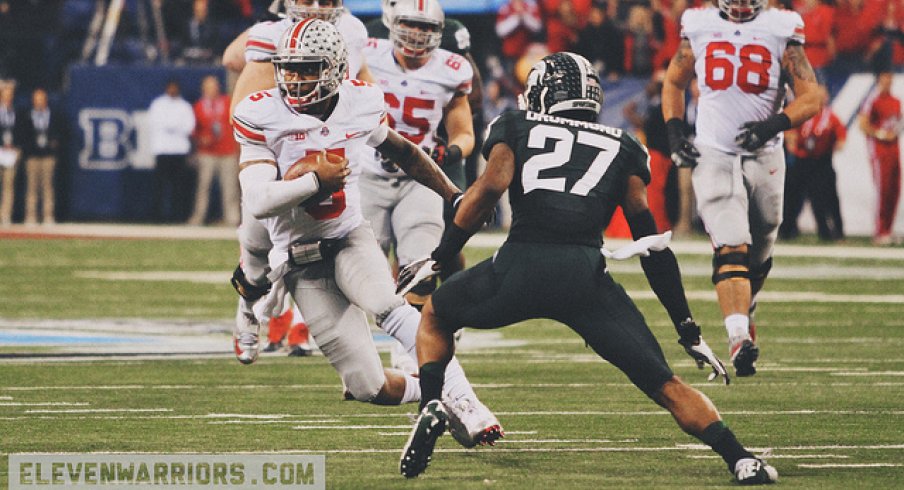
307, 164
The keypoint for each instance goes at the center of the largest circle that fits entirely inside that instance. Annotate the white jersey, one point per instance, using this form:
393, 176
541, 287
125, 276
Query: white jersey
267, 130
264, 36
415, 99
738, 70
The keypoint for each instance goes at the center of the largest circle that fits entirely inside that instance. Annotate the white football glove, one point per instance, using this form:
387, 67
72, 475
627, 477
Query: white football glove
697, 348
641, 246
415, 273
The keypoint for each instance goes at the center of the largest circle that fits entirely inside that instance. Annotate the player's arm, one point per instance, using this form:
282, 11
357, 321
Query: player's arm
475, 98
807, 102
263, 194
477, 203
256, 76
460, 128
807, 96
413, 161
234, 56
677, 78
662, 272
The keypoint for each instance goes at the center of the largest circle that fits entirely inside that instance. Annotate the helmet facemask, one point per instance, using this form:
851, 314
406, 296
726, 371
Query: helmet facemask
310, 64
741, 10
415, 38
328, 10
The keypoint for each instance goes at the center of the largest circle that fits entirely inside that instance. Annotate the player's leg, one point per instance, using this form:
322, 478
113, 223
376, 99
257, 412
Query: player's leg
250, 280
765, 177
614, 328
723, 206
206, 167
343, 335
298, 334
363, 275
418, 226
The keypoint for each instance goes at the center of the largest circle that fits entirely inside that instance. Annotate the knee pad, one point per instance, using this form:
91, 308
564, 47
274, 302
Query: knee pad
245, 289
730, 266
363, 385
759, 273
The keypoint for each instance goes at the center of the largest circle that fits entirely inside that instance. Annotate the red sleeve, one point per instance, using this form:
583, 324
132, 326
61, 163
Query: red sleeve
839, 128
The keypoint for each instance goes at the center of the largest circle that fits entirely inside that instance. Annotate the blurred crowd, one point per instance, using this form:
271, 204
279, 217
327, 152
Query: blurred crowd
624, 39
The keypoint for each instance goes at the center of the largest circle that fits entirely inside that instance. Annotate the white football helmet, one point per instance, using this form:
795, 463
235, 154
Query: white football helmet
386, 7
310, 48
416, 27
328, 10
741, 10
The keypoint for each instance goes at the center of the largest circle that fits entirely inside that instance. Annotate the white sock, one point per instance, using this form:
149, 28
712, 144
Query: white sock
402, 323
412, 389
738, 326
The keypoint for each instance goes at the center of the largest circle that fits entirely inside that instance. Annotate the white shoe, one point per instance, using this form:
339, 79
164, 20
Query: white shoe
471, 422
754, 471
400, 359
245, 337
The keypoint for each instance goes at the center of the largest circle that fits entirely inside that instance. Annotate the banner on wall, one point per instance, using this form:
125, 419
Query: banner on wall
110, 165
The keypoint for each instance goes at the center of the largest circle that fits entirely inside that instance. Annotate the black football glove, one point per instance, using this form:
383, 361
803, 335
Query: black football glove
446, 155
683, 152
696, 347
755, 134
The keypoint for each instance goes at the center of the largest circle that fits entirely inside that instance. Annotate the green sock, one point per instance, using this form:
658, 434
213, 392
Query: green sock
719, 437
432, 375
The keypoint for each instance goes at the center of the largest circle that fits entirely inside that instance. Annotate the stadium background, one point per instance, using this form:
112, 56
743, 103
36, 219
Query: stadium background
106, 167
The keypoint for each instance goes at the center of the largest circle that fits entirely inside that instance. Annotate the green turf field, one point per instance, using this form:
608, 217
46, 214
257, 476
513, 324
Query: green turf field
828, 402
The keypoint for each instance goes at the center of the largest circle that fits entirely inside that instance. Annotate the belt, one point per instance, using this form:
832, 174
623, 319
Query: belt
307, 252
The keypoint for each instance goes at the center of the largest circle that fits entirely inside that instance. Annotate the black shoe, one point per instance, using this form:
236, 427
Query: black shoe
299, 351
273, 346
430, 424
744, 359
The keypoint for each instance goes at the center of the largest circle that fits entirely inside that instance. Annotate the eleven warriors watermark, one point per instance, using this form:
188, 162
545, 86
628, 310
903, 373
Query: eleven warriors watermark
167, 471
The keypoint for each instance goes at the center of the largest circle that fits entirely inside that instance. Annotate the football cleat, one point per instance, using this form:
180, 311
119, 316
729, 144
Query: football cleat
471, 423
273, 347
300, 351
430, 424
245, 339
754, 471
744, 355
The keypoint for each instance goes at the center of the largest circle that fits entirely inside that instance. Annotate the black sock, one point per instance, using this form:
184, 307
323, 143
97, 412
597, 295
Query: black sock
432, 375
719, 437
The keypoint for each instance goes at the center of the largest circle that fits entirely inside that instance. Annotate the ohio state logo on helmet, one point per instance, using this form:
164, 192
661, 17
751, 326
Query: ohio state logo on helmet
311, 61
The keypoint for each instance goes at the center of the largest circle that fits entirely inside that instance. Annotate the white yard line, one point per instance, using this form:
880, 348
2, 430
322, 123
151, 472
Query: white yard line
103, 410
44, 404
850, 465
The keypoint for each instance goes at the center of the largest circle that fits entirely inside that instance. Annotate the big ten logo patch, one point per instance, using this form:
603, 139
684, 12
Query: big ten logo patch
112, 139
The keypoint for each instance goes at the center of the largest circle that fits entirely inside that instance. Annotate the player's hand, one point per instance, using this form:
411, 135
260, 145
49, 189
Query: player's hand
332, 172
697, 348
683, 152
415, 273
446, 155
755, 134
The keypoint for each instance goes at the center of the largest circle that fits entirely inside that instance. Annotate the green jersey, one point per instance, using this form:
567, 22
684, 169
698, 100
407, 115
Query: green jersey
570, 175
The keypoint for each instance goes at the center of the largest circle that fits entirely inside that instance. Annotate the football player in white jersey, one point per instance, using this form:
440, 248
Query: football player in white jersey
425, 86
741, 54
330, 262
249, 54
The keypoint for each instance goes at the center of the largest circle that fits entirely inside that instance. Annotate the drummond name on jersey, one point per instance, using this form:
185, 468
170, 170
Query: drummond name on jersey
536, 116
